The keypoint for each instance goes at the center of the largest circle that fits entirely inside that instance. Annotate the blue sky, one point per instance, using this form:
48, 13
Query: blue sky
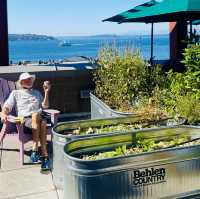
73, 17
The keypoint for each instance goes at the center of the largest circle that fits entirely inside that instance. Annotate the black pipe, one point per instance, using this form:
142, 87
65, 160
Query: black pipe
4, 54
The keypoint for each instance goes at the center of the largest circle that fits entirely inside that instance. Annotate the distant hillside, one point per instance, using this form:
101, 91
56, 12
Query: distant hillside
25, 37
109, 36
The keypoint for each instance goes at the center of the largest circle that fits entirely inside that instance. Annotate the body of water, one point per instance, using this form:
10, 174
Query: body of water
85, 46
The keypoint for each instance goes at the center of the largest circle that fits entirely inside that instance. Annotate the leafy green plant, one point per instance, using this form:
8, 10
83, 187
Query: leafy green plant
123, 78
182, 96
121, 150
192, 58
119, 76
192, 75
180, 100
188, 106
126, 82
146, 145
143, 145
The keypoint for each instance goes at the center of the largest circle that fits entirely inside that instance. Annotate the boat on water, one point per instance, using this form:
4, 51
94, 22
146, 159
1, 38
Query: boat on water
65, 43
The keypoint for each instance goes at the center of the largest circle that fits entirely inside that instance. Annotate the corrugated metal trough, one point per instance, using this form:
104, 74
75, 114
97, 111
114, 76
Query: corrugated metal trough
62, 134
100, 110
167, 173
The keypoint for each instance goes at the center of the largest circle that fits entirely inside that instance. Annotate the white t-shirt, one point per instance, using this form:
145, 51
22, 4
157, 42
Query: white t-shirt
26, 102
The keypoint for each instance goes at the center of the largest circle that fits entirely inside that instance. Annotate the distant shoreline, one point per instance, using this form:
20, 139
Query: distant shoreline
35, 37
111, 36
28, 37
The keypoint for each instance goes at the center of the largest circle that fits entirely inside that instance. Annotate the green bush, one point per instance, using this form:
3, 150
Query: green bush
188, 106
124, 78
192, 58
126, 82
119, 76
179, 100
192, 75
182, 96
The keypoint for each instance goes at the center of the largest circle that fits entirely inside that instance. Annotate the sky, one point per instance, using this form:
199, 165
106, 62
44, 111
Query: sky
74, 17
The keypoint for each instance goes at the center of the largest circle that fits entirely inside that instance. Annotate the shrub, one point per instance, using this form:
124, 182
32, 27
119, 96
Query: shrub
192, 58
188, 106
182, 97
124, 78
119, 76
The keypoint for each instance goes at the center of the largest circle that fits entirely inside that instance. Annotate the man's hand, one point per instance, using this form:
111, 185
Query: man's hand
4, 117
46, 86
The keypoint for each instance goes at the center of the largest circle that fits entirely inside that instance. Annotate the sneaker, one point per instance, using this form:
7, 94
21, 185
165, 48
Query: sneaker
45, 164
35, 157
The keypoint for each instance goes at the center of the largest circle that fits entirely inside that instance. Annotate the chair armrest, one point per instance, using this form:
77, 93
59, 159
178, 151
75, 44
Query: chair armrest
14, 119
53, 114
11, 126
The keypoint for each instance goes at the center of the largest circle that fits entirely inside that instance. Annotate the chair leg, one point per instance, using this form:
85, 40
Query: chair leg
21, 144
21, 153
2, 133
1, 152
2, 136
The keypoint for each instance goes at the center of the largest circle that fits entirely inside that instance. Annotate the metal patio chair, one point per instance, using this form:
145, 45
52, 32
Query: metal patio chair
13, 129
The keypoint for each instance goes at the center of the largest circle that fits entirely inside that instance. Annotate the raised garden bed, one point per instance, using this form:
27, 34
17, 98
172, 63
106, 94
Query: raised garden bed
100, 110
68, 131
163, 172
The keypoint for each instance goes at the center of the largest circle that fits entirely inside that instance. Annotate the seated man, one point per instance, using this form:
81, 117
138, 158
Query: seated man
29, 104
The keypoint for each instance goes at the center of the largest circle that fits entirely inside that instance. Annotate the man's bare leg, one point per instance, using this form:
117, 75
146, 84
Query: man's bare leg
43, 139
45, 162
36, 120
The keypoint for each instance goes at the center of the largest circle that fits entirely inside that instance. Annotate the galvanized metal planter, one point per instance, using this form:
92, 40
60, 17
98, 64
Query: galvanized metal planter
163, 173
100, 110
62, 135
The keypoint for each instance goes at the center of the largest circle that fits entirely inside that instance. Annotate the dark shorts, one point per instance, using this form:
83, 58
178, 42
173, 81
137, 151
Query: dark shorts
28, 122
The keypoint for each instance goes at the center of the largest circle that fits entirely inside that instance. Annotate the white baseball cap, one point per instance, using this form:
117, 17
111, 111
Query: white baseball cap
24, 76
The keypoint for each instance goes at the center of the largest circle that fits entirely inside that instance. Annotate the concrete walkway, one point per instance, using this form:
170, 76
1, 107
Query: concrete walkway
23, 182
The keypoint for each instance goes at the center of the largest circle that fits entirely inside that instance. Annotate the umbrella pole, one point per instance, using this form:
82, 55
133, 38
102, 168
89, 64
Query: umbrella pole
191, 30
152, 37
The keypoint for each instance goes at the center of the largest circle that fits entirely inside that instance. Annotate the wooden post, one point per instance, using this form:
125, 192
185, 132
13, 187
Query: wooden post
178, 34
4, 55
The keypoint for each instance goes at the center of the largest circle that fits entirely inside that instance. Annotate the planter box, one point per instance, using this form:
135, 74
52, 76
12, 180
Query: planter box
100, 110
170, 173
62, 133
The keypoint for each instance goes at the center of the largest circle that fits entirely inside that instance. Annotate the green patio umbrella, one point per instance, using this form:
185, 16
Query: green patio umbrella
167, 11
164, 11
196, 22
122, 16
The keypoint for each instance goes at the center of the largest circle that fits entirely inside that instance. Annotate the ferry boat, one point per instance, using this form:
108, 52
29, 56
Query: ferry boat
65, 43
